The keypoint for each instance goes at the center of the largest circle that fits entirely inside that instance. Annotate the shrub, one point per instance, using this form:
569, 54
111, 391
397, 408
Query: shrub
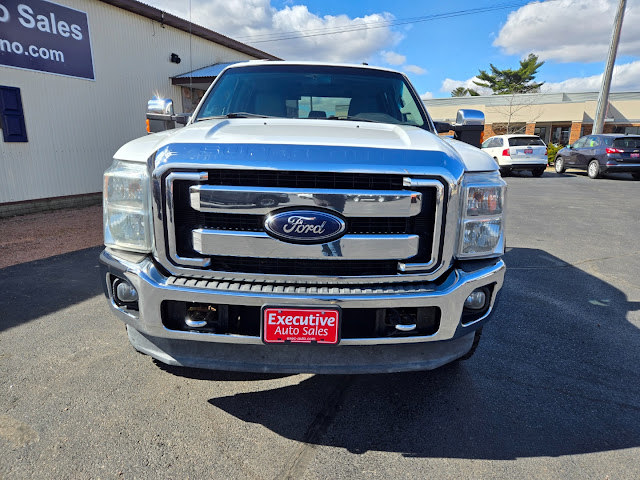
552, 149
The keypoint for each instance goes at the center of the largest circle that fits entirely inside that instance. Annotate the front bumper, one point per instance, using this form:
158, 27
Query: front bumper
247, 353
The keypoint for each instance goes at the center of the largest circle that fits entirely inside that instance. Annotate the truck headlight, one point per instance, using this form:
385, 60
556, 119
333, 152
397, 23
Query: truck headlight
126, 207
482, 223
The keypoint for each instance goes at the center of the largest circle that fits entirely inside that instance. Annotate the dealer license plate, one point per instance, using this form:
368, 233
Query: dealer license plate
528, 151
300, 325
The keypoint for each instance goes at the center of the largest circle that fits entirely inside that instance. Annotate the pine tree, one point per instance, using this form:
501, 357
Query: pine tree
507, 81
462, 92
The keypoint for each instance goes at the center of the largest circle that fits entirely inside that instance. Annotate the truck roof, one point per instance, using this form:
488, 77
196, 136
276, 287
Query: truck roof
308, 63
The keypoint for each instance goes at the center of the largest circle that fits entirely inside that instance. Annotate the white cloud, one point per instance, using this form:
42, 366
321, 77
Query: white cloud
426, 95
626, 77
415, 69
449, 84
569, 30
250, 20
393, 58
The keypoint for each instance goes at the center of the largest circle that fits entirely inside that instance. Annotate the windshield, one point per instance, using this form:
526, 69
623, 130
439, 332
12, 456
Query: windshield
301, 91
525, 141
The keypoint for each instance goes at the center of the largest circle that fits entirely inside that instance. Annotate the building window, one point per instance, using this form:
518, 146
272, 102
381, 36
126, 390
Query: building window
560, 135
11, 115
541, 132
190, 98
627, 130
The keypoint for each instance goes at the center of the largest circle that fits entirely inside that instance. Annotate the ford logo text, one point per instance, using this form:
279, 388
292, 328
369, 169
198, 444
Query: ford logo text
305, 226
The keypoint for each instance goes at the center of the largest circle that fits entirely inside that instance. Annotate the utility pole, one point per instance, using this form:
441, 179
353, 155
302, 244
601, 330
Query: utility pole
603, 98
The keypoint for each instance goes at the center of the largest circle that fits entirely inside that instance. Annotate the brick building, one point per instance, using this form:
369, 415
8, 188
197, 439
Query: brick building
556, 117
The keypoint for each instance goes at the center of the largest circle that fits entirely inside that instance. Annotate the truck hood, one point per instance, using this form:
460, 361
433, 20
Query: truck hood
390, 148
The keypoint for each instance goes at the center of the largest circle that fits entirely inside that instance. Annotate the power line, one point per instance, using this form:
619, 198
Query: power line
280, 36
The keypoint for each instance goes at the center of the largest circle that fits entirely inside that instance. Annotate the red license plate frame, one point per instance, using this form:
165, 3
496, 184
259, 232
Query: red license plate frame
306, 325
528, 151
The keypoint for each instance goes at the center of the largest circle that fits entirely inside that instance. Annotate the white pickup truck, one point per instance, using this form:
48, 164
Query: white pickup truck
307, 218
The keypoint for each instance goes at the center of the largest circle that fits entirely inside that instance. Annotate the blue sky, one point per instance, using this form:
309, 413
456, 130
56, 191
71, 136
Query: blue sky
572, 36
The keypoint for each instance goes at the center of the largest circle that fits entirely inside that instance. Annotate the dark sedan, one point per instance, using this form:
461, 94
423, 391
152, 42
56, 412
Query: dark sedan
600, 154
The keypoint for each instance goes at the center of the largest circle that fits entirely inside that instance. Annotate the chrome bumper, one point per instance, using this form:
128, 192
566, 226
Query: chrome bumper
247, 353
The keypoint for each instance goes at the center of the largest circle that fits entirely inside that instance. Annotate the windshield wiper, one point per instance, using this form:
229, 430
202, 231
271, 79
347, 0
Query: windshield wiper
351, 118
384, 119
234, 115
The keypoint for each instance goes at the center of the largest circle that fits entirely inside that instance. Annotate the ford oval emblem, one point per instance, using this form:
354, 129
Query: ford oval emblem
304, 226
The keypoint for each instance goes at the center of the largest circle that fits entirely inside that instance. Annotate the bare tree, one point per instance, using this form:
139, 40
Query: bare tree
518, 110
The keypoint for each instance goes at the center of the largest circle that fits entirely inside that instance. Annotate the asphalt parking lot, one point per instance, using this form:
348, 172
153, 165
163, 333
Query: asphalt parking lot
553, 391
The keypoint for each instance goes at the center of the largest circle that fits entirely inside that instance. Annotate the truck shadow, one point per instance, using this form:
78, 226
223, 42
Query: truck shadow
625, 177
33, 289
217, 375
555, 374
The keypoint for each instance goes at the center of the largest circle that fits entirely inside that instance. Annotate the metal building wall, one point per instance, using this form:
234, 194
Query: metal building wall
75, 126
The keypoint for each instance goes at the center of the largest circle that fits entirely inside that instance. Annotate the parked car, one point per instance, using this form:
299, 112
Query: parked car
518, 152
598, 154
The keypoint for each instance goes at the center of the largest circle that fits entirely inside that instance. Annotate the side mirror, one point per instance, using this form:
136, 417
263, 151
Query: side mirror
160, 115
160, 106
182, 118
469, 127
443, 127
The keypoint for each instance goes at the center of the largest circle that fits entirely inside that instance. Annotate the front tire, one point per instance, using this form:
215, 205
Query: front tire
559, 164
636, 176
537, 172
593, 170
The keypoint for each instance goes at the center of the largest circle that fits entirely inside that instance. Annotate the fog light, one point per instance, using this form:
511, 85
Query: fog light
476, 300
125, 292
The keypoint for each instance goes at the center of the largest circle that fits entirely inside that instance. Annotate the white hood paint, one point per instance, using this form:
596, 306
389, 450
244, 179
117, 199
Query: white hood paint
283, 131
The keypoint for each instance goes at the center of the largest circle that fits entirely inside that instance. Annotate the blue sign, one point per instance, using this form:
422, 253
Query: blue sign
46, 37
305, 226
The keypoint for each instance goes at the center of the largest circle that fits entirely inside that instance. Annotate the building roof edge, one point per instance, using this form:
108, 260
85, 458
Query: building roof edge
165, 18
566, 97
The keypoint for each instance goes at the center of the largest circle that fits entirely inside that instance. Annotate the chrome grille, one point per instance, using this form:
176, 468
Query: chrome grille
284, 179
203, 228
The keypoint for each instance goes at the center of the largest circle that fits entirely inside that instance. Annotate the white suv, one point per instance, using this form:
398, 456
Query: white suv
518, 152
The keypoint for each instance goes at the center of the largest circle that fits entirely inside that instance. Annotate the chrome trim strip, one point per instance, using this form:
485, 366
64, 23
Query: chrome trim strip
312, 158
261, 245
169, 211
437, 224
263, 200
